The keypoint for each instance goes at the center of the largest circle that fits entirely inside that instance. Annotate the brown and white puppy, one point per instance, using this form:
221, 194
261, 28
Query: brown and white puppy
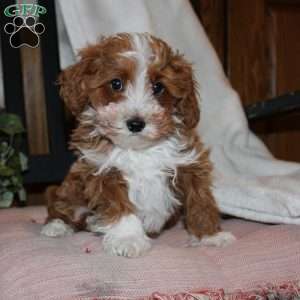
140, 162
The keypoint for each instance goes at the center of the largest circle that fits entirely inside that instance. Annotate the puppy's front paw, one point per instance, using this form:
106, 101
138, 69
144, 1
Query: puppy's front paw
126, 237
220, 239
128, 246
57, 228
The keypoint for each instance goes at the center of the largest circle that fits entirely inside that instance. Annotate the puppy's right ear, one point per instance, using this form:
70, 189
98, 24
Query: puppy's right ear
73, 85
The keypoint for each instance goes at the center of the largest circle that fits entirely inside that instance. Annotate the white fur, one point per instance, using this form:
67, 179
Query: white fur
126, 238
138, 99
138, 92
137, 103
148, 173
142, 51
220, 239
94, 224
56, 228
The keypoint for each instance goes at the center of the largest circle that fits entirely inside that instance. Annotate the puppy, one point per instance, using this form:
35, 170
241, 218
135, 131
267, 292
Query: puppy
140, 161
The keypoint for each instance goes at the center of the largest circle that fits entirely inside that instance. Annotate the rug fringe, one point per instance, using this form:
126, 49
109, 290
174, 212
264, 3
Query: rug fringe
284, 291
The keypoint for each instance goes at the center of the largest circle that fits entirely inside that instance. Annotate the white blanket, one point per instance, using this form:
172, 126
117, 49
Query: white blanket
249, 182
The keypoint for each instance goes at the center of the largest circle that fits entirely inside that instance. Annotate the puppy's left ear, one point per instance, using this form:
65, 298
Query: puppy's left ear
75, 80
72, 87
187, 107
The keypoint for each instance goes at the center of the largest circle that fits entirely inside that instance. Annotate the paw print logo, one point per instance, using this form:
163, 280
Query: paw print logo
29, 30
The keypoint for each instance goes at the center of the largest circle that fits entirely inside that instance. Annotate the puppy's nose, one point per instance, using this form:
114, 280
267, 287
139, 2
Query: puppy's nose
135, 124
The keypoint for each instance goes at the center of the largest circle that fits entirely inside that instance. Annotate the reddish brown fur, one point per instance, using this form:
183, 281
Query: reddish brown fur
107, 195
177, 76
194, 184
98, 63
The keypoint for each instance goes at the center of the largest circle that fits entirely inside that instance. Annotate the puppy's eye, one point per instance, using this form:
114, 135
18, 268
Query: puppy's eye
158, 88
116, 84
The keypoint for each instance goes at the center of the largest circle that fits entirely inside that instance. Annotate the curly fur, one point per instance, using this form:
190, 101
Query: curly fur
137, 180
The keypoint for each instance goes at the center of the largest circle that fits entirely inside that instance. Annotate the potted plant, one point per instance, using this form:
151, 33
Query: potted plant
12, 161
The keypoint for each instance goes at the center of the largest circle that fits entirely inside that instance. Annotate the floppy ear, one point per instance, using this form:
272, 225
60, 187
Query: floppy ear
74, 80
187, 107
72, 87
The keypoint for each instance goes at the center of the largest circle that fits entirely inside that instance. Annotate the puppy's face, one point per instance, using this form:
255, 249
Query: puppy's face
132, 89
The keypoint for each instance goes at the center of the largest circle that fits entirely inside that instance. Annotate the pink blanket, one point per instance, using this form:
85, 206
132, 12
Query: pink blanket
36, 267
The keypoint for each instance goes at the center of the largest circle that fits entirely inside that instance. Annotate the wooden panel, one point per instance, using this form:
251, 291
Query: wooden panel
263, 62
248, 58
212, 15
285, 44
34, 95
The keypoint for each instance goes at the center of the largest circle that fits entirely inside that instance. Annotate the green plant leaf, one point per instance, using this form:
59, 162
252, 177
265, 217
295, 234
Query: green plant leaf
6, 199
10, 152
16, 181
4, 183
10, 124
3, 146
22, 195
23, 161
6, 171
14, 162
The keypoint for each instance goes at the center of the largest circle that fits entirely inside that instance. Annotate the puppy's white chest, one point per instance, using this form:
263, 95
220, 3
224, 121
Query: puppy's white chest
148, 176
148, 173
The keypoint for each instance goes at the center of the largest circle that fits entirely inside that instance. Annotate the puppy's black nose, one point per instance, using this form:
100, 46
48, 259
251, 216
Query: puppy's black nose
135, 124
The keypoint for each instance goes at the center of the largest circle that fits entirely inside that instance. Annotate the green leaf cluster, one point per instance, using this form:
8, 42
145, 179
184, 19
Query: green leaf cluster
12, 161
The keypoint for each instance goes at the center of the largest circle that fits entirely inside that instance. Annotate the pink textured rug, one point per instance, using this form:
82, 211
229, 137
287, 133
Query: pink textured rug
264, 261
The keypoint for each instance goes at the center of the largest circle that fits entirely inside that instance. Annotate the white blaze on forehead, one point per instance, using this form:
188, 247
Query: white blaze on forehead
139, 98
141, 51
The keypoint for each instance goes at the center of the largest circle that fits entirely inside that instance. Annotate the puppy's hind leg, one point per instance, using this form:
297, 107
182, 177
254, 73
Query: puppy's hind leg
202, 221
61, 219
202, 218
